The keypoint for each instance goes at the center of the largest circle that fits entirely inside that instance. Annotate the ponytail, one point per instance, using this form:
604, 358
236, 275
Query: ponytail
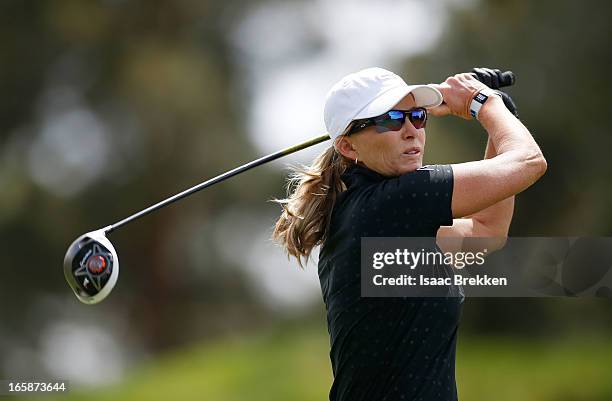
312, 191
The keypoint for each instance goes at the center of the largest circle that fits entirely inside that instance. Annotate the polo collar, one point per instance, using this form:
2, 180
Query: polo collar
357, 174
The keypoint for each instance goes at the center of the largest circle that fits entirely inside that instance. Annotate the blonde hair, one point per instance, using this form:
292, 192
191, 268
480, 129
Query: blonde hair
311, 194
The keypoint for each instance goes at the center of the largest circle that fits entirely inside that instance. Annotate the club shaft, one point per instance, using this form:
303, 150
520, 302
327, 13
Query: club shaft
217, 179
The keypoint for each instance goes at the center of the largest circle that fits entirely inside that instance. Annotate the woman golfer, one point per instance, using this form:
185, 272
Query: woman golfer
371, 183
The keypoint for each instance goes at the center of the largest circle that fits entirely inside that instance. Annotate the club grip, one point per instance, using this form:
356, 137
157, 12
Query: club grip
507, 78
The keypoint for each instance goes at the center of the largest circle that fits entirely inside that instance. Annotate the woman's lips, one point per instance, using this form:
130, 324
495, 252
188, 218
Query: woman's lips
412, 152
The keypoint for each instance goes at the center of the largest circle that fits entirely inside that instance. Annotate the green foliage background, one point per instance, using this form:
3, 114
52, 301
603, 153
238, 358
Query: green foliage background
284, 363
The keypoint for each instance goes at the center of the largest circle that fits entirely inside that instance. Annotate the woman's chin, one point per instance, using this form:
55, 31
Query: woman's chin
410, 166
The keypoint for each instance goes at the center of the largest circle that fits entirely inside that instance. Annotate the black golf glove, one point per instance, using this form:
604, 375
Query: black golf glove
510, 105
492, 78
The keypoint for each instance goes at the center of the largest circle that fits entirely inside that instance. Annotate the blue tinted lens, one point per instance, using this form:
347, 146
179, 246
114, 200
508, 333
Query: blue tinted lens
396, 115
417, 114
391, 121
418, 118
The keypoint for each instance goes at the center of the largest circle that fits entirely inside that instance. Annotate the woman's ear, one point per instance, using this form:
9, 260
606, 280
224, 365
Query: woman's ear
345, 147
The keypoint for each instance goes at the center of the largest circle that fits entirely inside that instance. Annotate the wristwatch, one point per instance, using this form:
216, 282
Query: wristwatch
479, 100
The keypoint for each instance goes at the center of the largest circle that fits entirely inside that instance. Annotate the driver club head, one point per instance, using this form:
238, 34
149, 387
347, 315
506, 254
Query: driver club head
91, 267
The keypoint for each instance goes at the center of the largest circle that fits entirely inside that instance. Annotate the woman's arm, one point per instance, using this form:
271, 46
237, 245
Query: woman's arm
483, 190
492, 222
496, 218
518, 164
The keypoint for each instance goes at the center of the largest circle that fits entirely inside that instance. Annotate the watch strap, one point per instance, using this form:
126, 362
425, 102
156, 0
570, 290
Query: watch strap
479, 100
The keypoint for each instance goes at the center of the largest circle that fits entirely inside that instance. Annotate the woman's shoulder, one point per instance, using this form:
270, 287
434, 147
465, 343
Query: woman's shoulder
364, 184
437, 177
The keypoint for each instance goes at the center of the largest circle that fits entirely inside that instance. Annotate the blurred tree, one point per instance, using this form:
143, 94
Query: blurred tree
154, 78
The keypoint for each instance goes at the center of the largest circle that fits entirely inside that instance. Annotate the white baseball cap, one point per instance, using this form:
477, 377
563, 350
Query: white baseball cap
370, 93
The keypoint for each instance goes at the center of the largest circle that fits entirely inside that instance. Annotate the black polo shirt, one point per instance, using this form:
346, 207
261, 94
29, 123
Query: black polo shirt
387, 348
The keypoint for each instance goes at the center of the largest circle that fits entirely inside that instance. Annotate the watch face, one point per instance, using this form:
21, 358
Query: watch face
480, 97
477, 103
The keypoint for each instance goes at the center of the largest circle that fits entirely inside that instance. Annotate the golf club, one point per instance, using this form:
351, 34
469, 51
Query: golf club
91, 264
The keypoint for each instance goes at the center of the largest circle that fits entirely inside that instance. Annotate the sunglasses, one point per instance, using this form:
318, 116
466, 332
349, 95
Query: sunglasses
393, 120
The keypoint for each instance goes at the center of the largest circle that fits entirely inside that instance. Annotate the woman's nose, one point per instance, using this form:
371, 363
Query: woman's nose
408, 130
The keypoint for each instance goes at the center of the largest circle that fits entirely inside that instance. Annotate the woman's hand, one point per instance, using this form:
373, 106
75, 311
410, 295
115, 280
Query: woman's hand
458, 92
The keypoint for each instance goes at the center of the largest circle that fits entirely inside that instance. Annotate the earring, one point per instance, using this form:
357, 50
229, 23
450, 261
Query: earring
356, 159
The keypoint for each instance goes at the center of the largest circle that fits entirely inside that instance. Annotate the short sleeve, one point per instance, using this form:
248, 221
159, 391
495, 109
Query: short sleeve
424, 194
